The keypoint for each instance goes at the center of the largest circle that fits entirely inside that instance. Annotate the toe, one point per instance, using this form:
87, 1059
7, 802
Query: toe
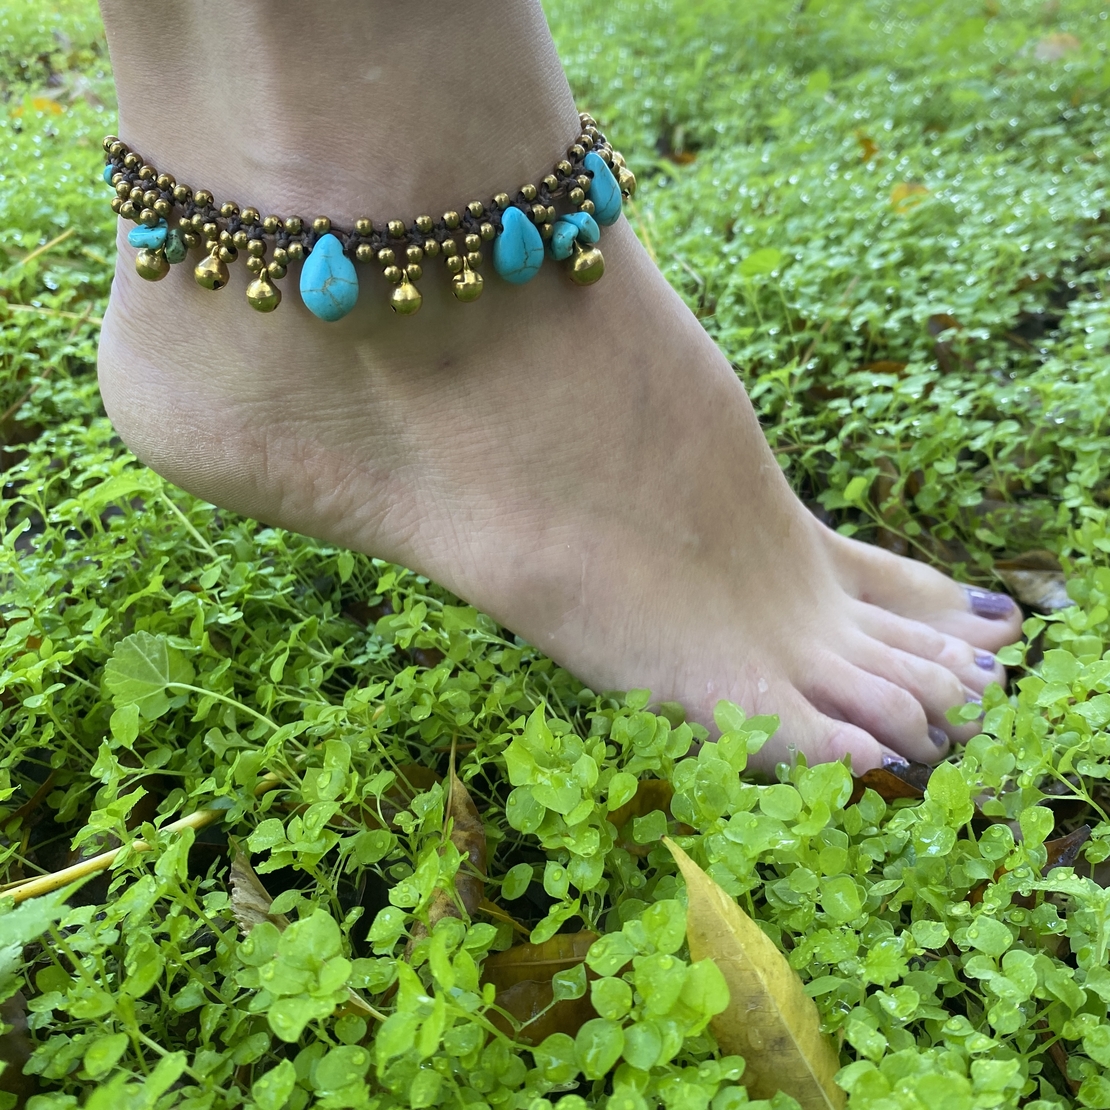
911, 589
884, 709
975, 668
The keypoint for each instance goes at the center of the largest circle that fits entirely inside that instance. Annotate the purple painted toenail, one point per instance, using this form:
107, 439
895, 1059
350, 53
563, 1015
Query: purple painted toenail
938, 736
985, 660
892, 762
986, 604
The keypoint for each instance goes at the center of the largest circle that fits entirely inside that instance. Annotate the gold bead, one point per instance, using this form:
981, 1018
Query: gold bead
452, 219
387, 256
185, 223
587, 206
149, 217
191, 239
364, 226
256, 248
396, 229
576, 152
364, 252
576, 196
276, 270
135, 193
108, 140
551, 213
113, 146
539, 213
163, 208
487, 232
431, 247
164, 181
147, 173
626, 179
294, 225
117, 204
228, 254
450, 248
424, 224
551, 181
127, 210
502, 200
584, 140
181, 193
454, 264
250, 216
529, 192
606, 155
414, 271
474, 259
587, 266
151, 265
472, 242
226, 239
414, 254
467, 285
150, 197
476, 208
296, 252
123, 191
202, 198
211, 231
546, 231
228, 209
280, 256
132, 161
263, 295
564, 167
618, 158
255, 264
321, 225
271, 224
584, 181
393, 274
405, 299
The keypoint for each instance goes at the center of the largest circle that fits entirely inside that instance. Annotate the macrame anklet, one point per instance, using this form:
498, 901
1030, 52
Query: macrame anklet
591, 180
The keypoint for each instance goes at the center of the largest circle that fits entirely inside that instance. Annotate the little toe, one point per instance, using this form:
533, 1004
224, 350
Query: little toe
883, 709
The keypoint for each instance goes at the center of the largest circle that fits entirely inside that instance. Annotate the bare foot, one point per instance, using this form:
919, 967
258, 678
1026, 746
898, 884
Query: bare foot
580, 463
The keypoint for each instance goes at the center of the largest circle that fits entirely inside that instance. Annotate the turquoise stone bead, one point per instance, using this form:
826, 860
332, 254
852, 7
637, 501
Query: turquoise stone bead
518, 250
329, 284
148, 238
562, 239
109, 169
175, 250
586, 225
604, 190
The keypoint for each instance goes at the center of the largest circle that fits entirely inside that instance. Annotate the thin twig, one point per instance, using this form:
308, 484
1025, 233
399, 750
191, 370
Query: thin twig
43, 249
57, 312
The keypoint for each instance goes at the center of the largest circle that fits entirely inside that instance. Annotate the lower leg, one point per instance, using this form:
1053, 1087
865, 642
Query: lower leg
583, 464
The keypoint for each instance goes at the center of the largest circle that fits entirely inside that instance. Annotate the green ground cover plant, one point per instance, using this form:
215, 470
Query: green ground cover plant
894, 221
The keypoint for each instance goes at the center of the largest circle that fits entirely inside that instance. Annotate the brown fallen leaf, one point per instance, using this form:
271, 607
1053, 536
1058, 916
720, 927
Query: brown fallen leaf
1036, 579
522, 975
899, 780
651, 794
468, 835
412, 779
250, 901
770, 1019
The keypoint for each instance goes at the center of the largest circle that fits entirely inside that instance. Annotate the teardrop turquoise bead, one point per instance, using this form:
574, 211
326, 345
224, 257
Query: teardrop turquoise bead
148, 238
518, 250
586, 226
329, 284
604, 190
562, 239
109, 169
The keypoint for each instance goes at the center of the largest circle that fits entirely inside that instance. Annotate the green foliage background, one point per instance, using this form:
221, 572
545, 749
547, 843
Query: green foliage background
933, 372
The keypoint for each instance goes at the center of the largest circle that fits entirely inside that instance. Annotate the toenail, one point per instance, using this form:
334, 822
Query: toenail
938, 736
990, 605
894, 762
985, 660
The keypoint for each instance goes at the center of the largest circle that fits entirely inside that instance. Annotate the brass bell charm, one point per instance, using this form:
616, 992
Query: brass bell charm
262, 294
152, 264
586, 266
467, 284
405, 298
211, 273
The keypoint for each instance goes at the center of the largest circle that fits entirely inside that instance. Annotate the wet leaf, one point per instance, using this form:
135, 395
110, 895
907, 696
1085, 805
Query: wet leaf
1036, 579
899, 780
770, 1020
1064, 850
522, 975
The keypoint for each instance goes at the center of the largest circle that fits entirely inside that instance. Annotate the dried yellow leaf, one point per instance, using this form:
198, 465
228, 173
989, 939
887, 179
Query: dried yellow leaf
770, 1020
